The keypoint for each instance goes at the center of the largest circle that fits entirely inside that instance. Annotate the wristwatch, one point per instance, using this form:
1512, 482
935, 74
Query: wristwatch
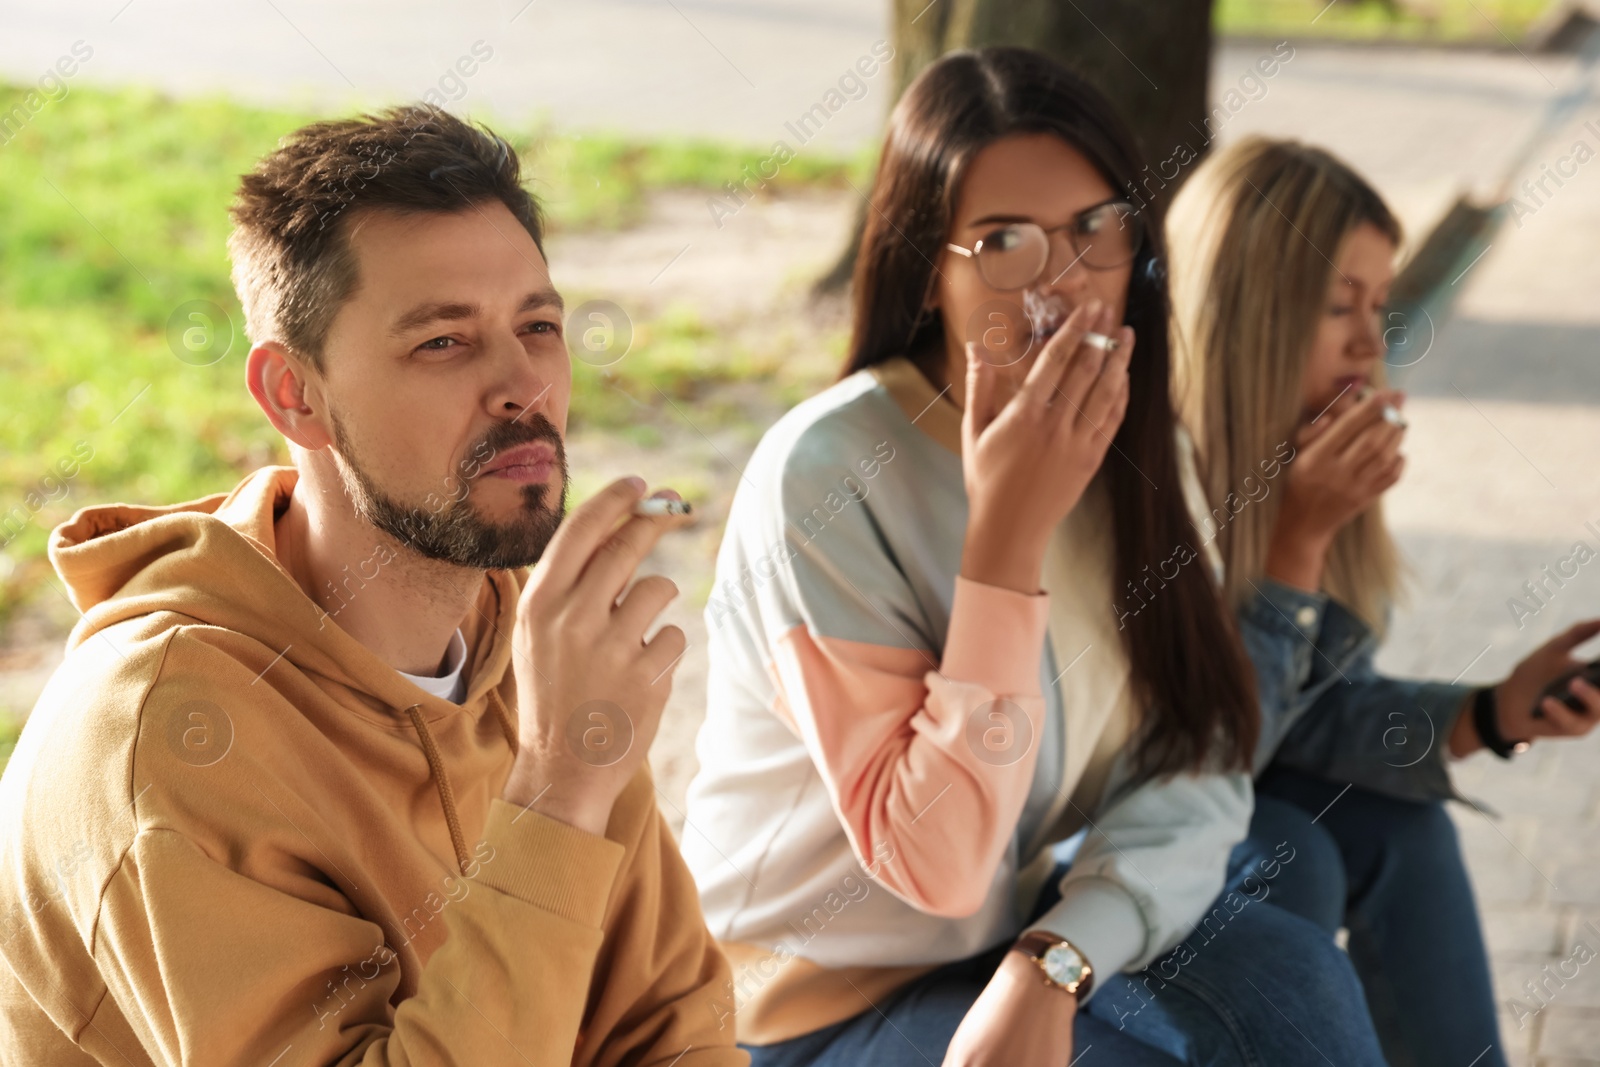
1063, 965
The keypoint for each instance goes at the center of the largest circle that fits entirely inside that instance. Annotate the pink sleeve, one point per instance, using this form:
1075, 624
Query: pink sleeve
915, 757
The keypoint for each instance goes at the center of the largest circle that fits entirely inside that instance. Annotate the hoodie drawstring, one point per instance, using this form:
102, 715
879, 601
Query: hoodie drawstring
504, 716
441, 780
447, 797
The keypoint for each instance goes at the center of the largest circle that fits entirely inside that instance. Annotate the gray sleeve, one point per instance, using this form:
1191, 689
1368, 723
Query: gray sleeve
805, 544
1151, 864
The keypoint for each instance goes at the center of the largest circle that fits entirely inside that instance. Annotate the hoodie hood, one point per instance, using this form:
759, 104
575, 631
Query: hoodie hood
217, 561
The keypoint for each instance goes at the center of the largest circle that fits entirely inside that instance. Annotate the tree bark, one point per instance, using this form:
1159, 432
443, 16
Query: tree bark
1152, 58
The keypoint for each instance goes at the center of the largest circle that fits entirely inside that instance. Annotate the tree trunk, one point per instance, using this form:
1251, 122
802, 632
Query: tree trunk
1152, 58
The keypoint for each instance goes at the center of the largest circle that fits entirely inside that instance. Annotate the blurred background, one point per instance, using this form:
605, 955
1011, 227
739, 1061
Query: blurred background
703, 165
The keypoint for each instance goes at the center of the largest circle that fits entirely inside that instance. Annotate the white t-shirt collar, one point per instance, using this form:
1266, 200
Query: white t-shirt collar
452, 685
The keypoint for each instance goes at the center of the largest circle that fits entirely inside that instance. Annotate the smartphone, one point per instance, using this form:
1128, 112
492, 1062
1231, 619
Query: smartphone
1558, 688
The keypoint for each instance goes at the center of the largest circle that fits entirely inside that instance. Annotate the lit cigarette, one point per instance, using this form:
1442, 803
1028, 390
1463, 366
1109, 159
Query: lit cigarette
661, 505
1101, 341
1391, 414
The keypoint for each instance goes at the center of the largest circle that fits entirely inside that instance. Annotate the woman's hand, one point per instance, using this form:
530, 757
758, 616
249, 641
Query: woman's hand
1027, 461
1344, 461
1017, 1021
1517, 696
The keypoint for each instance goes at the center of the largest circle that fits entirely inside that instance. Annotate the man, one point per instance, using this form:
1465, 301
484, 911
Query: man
328, 776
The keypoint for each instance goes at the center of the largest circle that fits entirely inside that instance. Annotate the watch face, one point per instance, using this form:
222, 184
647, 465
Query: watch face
1063, 964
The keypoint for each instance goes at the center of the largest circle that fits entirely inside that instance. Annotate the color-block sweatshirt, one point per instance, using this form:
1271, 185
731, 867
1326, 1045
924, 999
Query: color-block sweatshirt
231, 833
890, 749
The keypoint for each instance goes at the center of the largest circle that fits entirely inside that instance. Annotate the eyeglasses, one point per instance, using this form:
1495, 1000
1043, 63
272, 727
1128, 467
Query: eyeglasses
1103, 237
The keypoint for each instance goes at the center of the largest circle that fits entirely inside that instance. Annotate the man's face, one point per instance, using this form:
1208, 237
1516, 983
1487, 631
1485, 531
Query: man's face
447, 382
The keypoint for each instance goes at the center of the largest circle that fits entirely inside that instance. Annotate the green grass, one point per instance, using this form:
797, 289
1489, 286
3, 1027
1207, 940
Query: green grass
1454, 21
113, 213
600, 181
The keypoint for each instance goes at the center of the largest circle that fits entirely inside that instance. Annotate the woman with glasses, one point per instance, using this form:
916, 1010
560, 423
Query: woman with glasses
975, 773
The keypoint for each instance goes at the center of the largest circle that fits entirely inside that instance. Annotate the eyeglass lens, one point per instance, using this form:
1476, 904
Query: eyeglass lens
1102, 238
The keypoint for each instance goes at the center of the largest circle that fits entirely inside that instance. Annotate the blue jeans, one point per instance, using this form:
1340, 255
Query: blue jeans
1254, 985
1401, 888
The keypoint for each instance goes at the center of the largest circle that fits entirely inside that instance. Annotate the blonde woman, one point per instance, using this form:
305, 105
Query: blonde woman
1282, 258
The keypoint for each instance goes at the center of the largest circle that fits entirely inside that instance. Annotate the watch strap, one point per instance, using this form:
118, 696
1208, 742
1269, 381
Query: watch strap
1486, 720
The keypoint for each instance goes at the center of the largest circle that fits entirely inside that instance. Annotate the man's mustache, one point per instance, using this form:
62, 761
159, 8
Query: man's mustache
511, 435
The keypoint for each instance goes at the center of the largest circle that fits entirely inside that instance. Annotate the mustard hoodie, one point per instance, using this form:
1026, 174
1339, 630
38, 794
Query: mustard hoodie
230, 833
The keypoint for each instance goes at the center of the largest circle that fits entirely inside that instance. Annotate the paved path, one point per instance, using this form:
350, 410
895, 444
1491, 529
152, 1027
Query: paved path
729, 68
1505, 425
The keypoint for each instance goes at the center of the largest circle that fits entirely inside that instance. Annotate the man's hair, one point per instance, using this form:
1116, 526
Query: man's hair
292, 262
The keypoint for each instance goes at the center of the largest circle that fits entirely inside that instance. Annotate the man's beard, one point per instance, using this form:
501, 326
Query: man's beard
444, 526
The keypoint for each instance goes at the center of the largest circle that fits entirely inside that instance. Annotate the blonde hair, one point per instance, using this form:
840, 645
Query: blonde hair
1251, 234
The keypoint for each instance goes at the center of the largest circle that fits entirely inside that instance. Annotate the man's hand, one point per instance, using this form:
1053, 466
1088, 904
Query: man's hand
590, 688
1517, 696
1017, 1021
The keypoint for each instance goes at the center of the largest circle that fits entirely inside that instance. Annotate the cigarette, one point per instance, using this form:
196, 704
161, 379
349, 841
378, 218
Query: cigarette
1101, 341
1391, 414
661, 505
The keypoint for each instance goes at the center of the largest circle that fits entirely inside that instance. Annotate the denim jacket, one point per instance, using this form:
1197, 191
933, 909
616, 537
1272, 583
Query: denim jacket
1326, 711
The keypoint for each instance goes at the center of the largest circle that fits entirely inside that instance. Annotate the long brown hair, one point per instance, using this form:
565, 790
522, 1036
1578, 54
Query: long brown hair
1250, 280
1189, 670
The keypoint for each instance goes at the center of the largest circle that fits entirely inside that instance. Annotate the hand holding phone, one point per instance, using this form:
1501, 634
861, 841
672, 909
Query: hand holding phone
1560, 688
1552, 693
